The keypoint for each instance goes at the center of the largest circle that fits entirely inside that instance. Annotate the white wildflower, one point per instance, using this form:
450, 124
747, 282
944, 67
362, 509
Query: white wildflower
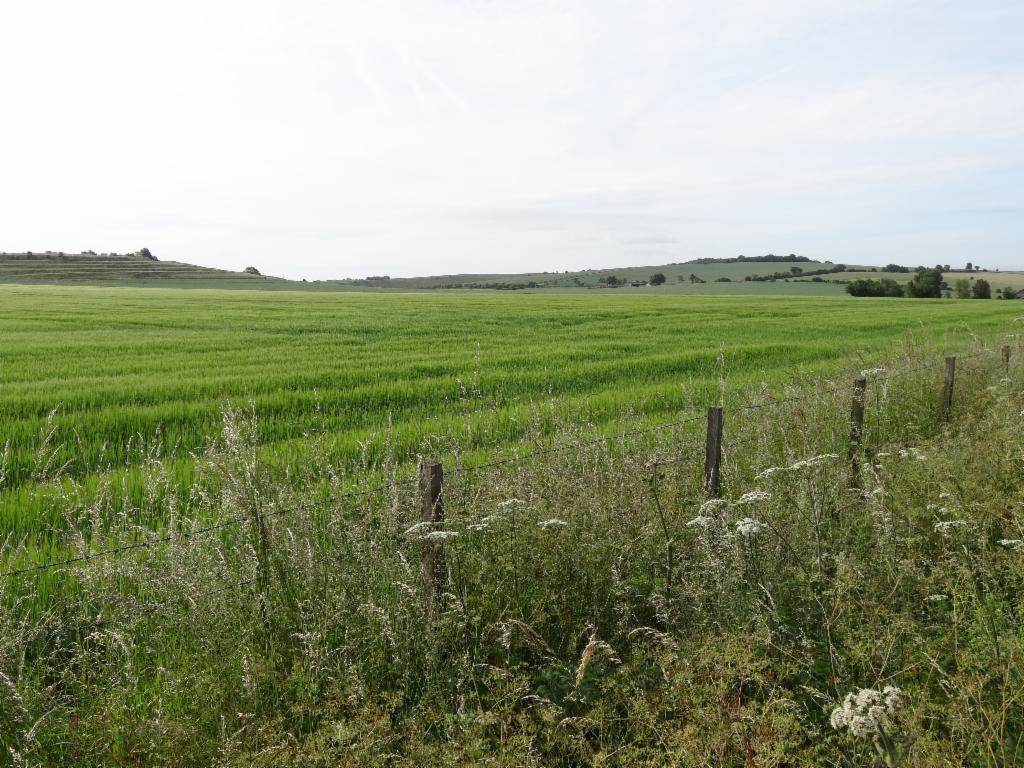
418, 527
946, 527
510, 502
912, 453
872, 371
867, 711
936, 598
702, 521
773, 470
945, 495
814, 461
752, 497
1014, 544
712, 505
440, 535
554, 522
748, 528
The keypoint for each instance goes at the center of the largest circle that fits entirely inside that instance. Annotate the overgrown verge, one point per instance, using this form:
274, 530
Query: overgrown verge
596, 609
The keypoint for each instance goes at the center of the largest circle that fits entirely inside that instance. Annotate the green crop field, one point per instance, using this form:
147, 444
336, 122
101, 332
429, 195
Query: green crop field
214, 549
116, 370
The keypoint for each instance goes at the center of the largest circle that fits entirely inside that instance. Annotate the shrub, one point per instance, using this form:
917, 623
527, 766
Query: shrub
657, 278
926, 284
981, 290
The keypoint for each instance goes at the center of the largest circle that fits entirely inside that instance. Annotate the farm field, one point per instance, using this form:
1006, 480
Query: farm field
115, 373
215, 550
996, 279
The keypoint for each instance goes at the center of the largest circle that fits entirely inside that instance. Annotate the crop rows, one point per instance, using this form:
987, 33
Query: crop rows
119, 375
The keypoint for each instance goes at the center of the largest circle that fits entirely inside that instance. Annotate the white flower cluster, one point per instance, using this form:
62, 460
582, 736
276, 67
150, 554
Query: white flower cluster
1014, 544
702, 521
810, 463
872, 371
867, 711
440, 535
946, 527
554, 522
748, 527
912, 453
753, 497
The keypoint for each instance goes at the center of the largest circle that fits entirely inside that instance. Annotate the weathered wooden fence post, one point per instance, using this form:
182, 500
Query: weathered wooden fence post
713, 453
1006, 357
860, 386
432, 511
947, 392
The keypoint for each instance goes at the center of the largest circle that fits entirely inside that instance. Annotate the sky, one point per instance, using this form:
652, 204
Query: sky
411, 137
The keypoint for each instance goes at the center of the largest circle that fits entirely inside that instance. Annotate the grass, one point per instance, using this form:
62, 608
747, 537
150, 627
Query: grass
594, 609
120, 376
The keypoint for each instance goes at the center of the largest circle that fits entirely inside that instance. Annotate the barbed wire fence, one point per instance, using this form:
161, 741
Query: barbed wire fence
429, 485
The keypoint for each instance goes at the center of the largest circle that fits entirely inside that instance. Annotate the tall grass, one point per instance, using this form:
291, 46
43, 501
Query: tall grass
597, 608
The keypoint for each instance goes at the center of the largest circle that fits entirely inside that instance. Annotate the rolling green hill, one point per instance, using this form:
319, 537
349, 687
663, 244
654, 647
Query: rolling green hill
52, 268
710, 278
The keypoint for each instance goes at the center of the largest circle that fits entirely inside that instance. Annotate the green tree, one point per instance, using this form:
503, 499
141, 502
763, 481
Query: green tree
926, 284
657, 278
962, 288
981, 290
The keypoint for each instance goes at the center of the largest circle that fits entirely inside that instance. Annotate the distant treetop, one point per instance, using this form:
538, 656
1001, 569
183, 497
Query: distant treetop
769, 257
144, 253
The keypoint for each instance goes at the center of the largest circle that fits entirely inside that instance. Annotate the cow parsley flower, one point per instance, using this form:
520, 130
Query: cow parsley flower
752, 497
712, 505
1014, 544
814, 461
748, 528
702, 521
912, 453
554, 522
867, 712
440, 535
945, 527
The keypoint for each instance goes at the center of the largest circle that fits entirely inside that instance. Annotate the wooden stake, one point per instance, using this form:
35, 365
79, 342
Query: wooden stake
1006, 357
432, 511
860, 386
713, 453
947, 392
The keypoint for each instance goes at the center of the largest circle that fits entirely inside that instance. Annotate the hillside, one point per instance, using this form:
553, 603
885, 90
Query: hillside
676, 275
690, 277
129, 270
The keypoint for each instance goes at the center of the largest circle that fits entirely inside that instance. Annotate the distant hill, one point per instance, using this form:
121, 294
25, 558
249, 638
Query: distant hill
51, 268
783, 275
677, 275
705, 276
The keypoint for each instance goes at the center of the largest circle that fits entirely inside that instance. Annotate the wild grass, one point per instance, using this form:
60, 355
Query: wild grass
596, 608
